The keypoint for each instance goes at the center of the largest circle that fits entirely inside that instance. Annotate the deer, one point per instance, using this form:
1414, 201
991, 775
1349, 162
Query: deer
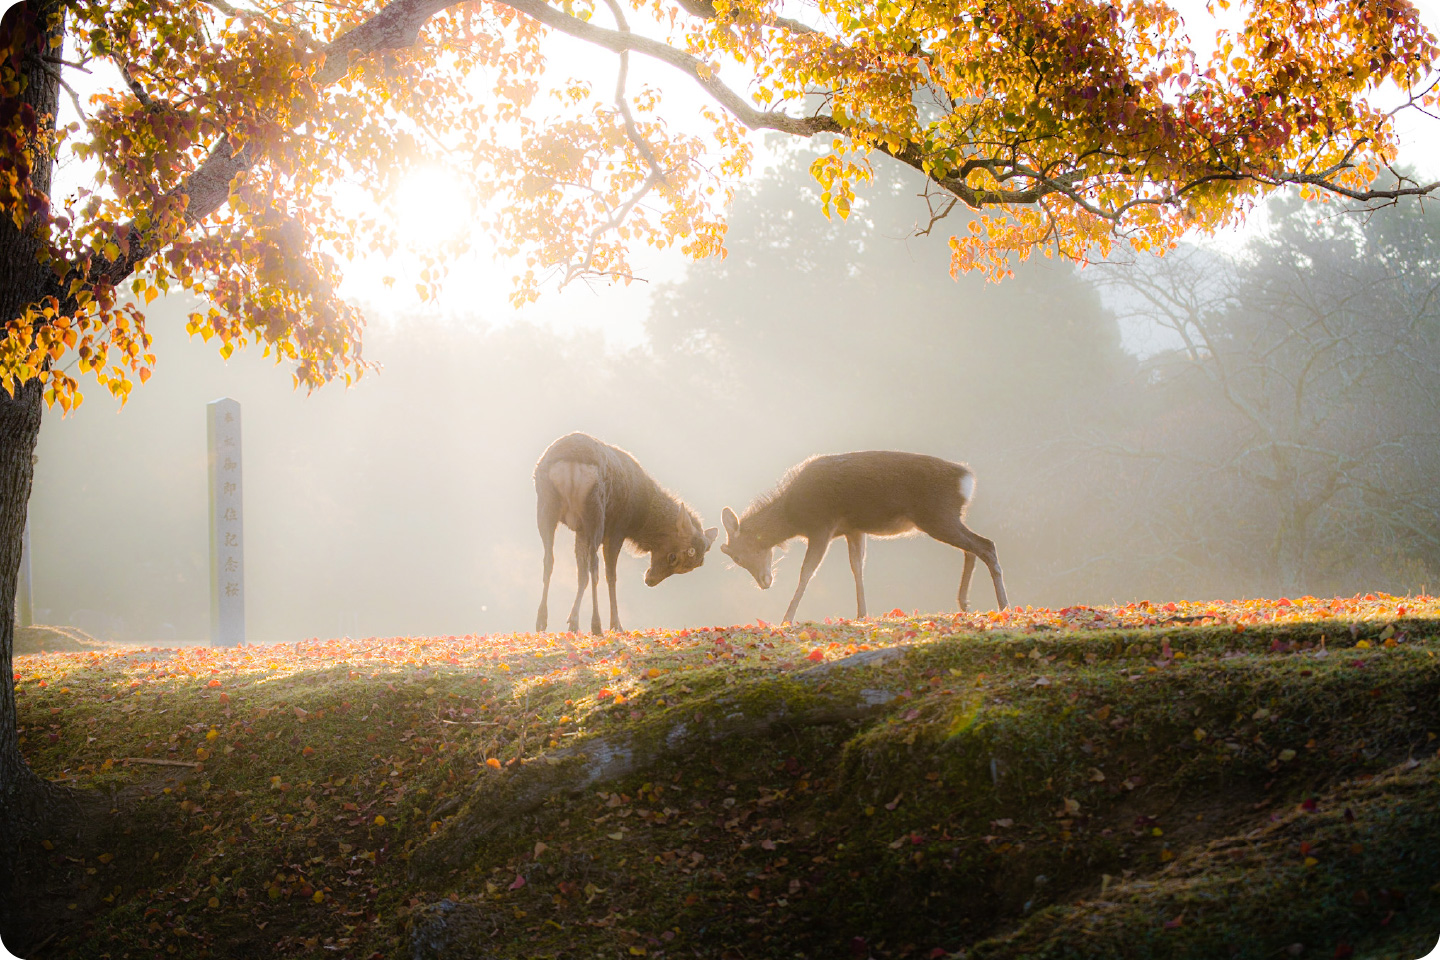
880, 493
603, 494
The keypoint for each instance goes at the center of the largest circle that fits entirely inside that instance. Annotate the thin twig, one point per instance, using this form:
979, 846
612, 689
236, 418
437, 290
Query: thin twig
163, 763
623, 102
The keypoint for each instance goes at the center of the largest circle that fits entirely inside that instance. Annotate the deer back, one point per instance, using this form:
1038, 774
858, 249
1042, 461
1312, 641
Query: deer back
872, 491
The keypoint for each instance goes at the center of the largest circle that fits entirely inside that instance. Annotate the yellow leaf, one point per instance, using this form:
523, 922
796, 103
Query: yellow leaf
379, 820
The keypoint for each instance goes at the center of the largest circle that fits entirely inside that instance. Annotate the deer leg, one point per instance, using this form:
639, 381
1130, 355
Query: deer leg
963, 597
583, 553
953, 531
548, 517
814, 553
594, 559
612, 554
856, 542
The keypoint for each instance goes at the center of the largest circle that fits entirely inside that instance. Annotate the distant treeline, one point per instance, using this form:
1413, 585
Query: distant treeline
1278, 437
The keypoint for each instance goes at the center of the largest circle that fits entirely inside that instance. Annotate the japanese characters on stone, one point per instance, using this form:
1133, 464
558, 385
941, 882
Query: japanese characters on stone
227, 554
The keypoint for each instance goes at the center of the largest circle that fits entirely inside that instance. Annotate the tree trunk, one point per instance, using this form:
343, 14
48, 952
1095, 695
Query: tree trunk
27, 802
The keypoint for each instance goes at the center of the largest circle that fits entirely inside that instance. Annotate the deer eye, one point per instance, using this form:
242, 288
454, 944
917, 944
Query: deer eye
672, 558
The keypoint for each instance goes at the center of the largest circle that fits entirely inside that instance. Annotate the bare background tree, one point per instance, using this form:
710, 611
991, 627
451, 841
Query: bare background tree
1289, 440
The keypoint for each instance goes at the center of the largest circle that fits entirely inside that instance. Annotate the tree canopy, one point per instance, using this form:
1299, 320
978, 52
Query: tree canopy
223, 149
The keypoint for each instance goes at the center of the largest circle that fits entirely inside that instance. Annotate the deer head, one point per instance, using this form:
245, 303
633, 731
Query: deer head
681, 551
747, 551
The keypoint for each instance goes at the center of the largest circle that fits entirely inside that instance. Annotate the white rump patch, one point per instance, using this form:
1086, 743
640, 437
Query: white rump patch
967, 486
573, 481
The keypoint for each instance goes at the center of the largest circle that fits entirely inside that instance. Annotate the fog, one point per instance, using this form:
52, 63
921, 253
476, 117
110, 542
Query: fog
405, 505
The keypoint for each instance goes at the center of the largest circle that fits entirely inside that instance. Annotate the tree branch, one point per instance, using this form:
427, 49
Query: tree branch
693, 66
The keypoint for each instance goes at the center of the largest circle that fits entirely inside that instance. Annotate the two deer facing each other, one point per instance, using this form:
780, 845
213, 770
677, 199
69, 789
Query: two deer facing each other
603, 494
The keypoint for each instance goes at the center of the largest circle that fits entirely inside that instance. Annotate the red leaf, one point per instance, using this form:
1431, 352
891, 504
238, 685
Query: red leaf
816, 655
519, 882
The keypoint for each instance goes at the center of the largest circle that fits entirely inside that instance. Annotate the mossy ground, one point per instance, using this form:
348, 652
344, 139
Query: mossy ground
1197, 791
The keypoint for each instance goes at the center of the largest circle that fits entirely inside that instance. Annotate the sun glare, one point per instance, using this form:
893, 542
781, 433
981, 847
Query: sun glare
433, 206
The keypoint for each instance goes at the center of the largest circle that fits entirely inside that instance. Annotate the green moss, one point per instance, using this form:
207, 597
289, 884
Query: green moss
984, 802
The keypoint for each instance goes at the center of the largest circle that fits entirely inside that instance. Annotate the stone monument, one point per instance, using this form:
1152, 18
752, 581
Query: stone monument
227, 552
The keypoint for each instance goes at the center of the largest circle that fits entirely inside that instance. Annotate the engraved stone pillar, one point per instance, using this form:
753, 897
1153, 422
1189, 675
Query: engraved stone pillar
227, 553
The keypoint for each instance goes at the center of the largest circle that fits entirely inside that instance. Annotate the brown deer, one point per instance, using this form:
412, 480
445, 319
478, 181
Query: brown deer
605, 496
877, 492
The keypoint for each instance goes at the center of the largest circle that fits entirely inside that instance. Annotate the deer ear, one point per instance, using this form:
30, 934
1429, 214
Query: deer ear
710, 534
732, 523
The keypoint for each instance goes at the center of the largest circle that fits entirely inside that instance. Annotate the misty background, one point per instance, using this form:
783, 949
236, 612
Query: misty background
1209, 425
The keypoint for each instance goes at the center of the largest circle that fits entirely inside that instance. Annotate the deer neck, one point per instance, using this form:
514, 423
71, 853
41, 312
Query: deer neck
662, 518
768, 524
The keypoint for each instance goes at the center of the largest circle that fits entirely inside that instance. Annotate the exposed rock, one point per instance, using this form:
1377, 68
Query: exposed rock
449, 930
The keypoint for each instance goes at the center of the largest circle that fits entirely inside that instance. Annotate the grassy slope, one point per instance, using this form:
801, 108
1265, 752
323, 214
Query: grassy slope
1206, 781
